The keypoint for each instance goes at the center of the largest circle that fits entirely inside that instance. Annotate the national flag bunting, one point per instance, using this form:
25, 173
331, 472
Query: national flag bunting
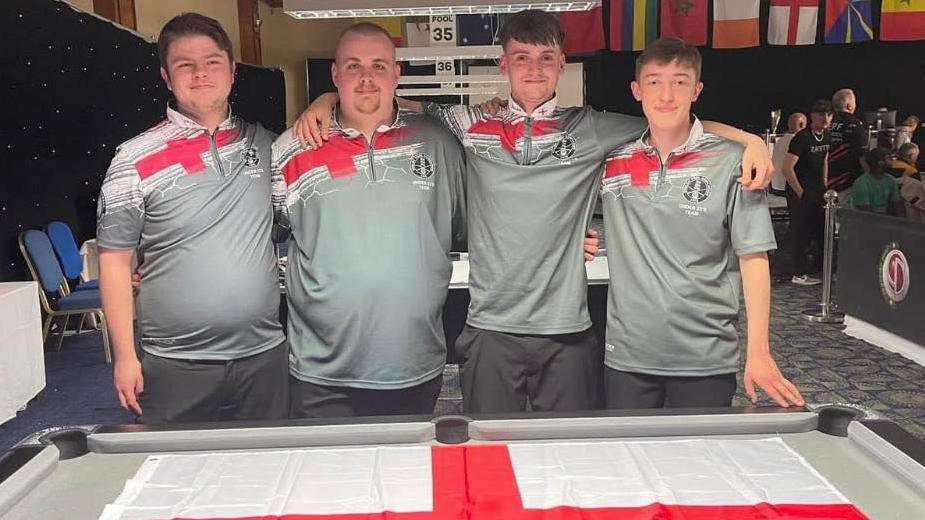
685, 19
735, 23
633, 24
902, 20
848, 21
793, 22
584, 31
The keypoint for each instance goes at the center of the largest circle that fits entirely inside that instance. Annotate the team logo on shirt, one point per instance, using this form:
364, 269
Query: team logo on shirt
894, 274
698, 189
250, 157
565, 148
423, 168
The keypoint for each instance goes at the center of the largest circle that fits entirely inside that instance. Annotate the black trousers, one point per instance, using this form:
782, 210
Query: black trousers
180, 390
629, 390
503, 372
807, 222
309, 400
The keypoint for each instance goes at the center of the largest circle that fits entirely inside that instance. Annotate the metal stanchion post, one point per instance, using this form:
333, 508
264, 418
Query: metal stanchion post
826, 314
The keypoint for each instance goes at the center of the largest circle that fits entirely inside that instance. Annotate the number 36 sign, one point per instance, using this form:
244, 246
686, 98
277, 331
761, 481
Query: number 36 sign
443, 31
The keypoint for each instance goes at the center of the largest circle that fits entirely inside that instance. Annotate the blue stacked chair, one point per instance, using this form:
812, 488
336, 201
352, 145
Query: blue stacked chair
54, 293
65, 246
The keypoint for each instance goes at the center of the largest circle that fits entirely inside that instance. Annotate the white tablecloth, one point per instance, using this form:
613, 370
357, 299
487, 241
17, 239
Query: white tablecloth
91, 259
22, 360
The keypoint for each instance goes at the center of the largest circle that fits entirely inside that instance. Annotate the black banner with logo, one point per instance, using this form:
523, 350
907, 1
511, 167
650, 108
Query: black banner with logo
881, 272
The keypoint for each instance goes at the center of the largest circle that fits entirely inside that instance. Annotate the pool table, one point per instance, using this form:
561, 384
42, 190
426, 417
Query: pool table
72, 473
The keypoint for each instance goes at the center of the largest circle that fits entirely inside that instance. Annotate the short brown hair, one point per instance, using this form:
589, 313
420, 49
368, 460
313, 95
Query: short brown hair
192, 24
666, 50
532, 26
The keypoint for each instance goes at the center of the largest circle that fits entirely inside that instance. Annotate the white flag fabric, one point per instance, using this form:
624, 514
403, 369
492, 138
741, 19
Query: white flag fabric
685, 479
793, 22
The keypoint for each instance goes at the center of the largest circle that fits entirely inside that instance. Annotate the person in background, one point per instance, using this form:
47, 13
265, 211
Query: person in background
906, 160
905, 131
806, 170
795, 123
876, 191
848, 142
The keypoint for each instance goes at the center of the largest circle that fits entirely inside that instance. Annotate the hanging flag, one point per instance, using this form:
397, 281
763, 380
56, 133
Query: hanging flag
793, 22
632, 24
685, 19
902, 20
394, 25
417, 31
477, 29
735, 23
716, 479
848, 21
584, 31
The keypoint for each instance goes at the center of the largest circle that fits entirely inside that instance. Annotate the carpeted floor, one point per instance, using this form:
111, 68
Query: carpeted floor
826, 365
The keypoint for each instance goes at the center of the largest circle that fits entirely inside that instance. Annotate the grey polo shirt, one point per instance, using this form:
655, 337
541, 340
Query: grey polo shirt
674, 234
532, 183
197, 209
371, 231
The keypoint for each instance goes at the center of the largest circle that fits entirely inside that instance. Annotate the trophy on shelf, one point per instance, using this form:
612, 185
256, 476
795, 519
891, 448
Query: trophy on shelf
772, 130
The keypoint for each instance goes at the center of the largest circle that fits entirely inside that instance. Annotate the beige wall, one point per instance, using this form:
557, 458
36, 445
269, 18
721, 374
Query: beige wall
86, 5
286, 43
151, 15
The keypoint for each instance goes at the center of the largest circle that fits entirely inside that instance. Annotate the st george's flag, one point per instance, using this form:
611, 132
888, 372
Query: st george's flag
735, 23
584, 31
902, 20
793, 22
848, 21
696, 479
685, 19
633, 24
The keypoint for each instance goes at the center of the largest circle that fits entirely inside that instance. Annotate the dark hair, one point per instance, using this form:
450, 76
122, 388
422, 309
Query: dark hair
666, 50
192, 24
875, 157
532, 26
822, 106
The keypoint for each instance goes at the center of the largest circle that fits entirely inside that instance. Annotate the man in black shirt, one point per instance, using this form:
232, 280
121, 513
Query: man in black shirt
806, 170
848, 136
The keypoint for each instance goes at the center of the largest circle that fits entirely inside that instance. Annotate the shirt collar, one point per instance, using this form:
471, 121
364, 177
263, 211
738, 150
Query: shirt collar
184, 121
352, 132
544, 111
692, 138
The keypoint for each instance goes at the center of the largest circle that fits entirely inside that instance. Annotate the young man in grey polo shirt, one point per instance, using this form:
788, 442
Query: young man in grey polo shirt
532, 173
683, 237
373, 215
192, 197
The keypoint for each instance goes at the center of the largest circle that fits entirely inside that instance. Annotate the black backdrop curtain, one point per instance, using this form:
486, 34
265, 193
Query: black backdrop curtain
73, 87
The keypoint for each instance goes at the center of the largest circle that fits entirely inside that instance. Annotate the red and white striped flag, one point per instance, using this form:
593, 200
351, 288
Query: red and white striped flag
793, 22
684, 479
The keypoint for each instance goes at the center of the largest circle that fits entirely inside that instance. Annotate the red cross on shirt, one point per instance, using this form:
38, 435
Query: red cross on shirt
794, 21
187, 152
336, 154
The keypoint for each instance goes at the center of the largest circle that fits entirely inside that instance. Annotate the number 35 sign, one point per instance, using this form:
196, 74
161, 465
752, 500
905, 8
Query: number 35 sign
443, 31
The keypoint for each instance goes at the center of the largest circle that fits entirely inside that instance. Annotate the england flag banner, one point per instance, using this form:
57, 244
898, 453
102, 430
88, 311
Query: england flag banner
665, 480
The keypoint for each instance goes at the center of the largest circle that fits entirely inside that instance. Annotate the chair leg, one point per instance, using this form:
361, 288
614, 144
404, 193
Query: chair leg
63, 329
104, 330
46, 328
80, 323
